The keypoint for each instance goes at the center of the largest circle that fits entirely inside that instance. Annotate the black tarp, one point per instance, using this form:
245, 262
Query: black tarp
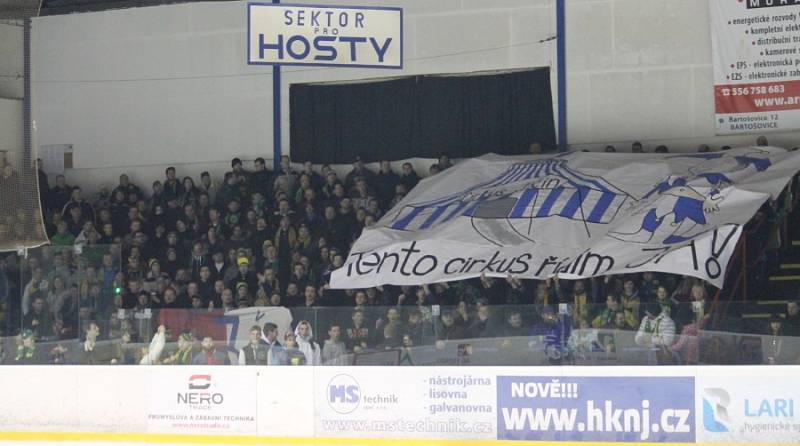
422, 116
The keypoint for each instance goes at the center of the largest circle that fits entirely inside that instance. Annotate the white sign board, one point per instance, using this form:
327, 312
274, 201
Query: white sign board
742, 406
756, 65
345, 36
614, 405
195, 400
417, 403
574, 215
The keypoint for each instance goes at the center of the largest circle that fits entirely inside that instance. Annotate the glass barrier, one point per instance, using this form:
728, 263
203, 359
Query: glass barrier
684, 333
9, 313
61, 287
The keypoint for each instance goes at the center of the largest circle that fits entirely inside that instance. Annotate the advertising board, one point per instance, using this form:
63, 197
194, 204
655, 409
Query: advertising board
350, 36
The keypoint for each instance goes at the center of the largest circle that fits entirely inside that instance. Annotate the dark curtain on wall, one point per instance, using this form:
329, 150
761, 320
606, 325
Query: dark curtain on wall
422, 116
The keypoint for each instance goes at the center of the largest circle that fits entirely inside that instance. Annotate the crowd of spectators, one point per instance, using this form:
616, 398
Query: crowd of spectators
263, 238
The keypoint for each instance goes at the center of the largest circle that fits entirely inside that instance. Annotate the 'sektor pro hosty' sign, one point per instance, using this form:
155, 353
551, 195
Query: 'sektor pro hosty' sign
288, 34
573, 215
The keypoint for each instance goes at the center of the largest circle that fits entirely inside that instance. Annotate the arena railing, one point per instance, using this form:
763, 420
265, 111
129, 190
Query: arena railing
515, 335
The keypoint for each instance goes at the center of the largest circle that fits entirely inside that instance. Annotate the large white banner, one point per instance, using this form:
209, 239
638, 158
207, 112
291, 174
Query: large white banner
574, 215
324, 35
756, 65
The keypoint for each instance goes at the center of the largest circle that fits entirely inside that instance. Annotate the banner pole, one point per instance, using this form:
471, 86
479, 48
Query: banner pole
276, 113
561, 62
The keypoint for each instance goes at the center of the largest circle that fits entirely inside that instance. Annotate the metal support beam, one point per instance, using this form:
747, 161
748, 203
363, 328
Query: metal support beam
561, 62
276, 113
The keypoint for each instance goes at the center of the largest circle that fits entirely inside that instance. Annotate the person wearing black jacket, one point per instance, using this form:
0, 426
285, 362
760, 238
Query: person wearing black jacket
243, 275
416, 327
449, 330
199, 259
44, 186
76, 200
792, 320
60, 194
260, 179
126, 187
172, 187
483, 325
385, 182
317, 181
38, 319
409, 177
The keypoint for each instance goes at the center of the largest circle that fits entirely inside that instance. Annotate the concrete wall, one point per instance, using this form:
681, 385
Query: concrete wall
140, 89
11, 58
11, 137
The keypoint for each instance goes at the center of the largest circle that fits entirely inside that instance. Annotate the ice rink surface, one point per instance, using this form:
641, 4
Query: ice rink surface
264, 442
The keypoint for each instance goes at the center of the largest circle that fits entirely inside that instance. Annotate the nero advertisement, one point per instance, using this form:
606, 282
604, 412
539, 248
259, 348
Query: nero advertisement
619, 409
417, 403
286, 34
193, 401
734, 407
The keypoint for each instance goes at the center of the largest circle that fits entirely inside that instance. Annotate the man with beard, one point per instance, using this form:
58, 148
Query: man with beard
209, 354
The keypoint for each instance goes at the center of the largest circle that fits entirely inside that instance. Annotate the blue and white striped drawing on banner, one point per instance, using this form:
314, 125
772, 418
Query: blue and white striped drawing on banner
507, 208
572, 215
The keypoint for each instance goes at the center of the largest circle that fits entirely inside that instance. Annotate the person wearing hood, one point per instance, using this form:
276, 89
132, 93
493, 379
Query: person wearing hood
306, 343
657, 331
657, 328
